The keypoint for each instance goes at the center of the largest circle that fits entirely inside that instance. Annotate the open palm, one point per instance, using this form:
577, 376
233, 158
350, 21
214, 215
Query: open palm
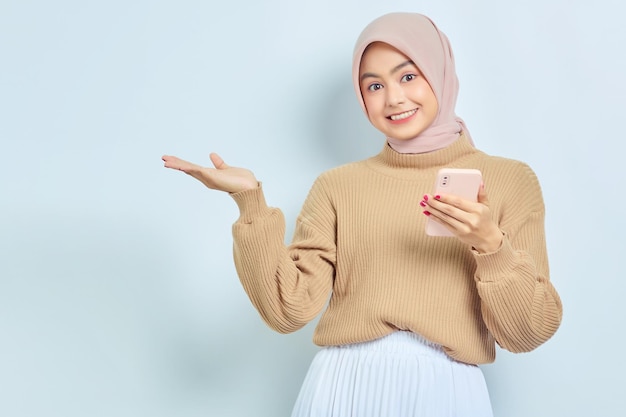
223, 177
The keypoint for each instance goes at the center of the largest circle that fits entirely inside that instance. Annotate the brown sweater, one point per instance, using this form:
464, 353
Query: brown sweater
360, 240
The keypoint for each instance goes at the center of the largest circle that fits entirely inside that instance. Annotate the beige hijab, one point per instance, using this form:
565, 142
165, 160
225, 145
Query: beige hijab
417, 37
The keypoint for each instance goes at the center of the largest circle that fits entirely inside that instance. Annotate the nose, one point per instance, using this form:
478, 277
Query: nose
395, 95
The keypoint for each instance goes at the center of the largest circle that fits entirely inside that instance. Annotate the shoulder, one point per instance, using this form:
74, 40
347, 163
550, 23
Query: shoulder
511, 171
344, 173
511, 185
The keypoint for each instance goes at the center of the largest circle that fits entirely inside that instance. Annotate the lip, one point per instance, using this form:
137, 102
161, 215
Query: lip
402, 121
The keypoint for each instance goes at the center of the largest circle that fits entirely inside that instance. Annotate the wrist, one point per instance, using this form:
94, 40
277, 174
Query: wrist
243, 187
491, 244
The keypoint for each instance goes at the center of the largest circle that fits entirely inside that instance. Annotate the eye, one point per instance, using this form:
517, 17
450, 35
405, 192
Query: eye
374, 87
408, 77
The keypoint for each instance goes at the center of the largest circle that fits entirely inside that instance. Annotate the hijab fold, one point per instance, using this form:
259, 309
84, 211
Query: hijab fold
417, 37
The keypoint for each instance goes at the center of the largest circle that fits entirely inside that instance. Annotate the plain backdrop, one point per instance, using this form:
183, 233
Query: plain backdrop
118, 294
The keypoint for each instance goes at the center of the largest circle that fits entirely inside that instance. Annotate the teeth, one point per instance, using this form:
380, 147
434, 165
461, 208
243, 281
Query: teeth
403, 115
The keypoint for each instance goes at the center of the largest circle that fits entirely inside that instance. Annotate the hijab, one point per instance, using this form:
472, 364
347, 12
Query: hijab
417, 37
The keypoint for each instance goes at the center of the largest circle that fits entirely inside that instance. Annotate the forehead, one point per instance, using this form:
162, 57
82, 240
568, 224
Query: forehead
381, 56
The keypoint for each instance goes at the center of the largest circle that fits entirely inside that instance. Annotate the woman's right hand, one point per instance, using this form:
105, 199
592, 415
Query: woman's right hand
222, 177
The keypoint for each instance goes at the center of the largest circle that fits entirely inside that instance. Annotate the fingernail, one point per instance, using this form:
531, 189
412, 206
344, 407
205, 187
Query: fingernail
437, 197
426, 212
423, 204
425, 197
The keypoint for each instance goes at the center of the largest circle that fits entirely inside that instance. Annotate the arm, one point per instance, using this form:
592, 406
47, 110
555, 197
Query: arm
289, 286
519, 305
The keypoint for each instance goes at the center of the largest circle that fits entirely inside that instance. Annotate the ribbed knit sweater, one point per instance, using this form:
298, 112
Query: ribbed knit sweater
360, 240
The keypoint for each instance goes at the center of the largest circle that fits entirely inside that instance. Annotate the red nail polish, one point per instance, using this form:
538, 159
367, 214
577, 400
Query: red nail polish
425, 197
437, 197
422, 204
426, 212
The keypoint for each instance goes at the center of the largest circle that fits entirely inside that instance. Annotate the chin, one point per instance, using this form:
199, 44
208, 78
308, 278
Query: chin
406, 136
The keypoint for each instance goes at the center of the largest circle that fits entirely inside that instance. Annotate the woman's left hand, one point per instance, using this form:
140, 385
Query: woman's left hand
469, 221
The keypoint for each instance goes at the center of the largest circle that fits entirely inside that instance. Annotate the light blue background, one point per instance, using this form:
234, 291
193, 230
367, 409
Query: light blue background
118, 295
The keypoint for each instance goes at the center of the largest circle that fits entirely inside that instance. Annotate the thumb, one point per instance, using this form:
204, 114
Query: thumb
218, 162
482, 195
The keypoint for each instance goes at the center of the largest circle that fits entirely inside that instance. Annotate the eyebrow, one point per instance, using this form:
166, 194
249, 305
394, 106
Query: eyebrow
394, 69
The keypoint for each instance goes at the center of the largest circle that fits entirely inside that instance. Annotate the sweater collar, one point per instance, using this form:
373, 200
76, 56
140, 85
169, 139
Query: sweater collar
389, 159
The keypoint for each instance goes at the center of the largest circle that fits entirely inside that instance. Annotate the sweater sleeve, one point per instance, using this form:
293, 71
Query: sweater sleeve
519, 304
288, 285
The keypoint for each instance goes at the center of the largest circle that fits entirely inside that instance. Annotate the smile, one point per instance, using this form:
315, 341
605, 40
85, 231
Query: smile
402, 116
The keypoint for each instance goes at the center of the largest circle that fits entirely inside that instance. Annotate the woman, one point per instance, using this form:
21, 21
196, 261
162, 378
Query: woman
410, 316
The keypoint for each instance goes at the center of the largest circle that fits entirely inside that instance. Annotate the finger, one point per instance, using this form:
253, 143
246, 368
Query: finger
218, 162
450, 222
447, 213
482, 195
456, 213
167, 158
171, 161
179, 164
449, 203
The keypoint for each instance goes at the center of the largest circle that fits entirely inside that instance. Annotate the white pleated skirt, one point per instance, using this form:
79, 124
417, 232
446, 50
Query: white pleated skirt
399, 375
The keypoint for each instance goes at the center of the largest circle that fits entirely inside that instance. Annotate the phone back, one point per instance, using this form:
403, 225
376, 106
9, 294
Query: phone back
461, 182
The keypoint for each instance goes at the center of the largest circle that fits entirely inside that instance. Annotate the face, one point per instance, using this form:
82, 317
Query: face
398, 99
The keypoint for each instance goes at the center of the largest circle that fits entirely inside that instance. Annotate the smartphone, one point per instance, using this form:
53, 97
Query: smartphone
461, 182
